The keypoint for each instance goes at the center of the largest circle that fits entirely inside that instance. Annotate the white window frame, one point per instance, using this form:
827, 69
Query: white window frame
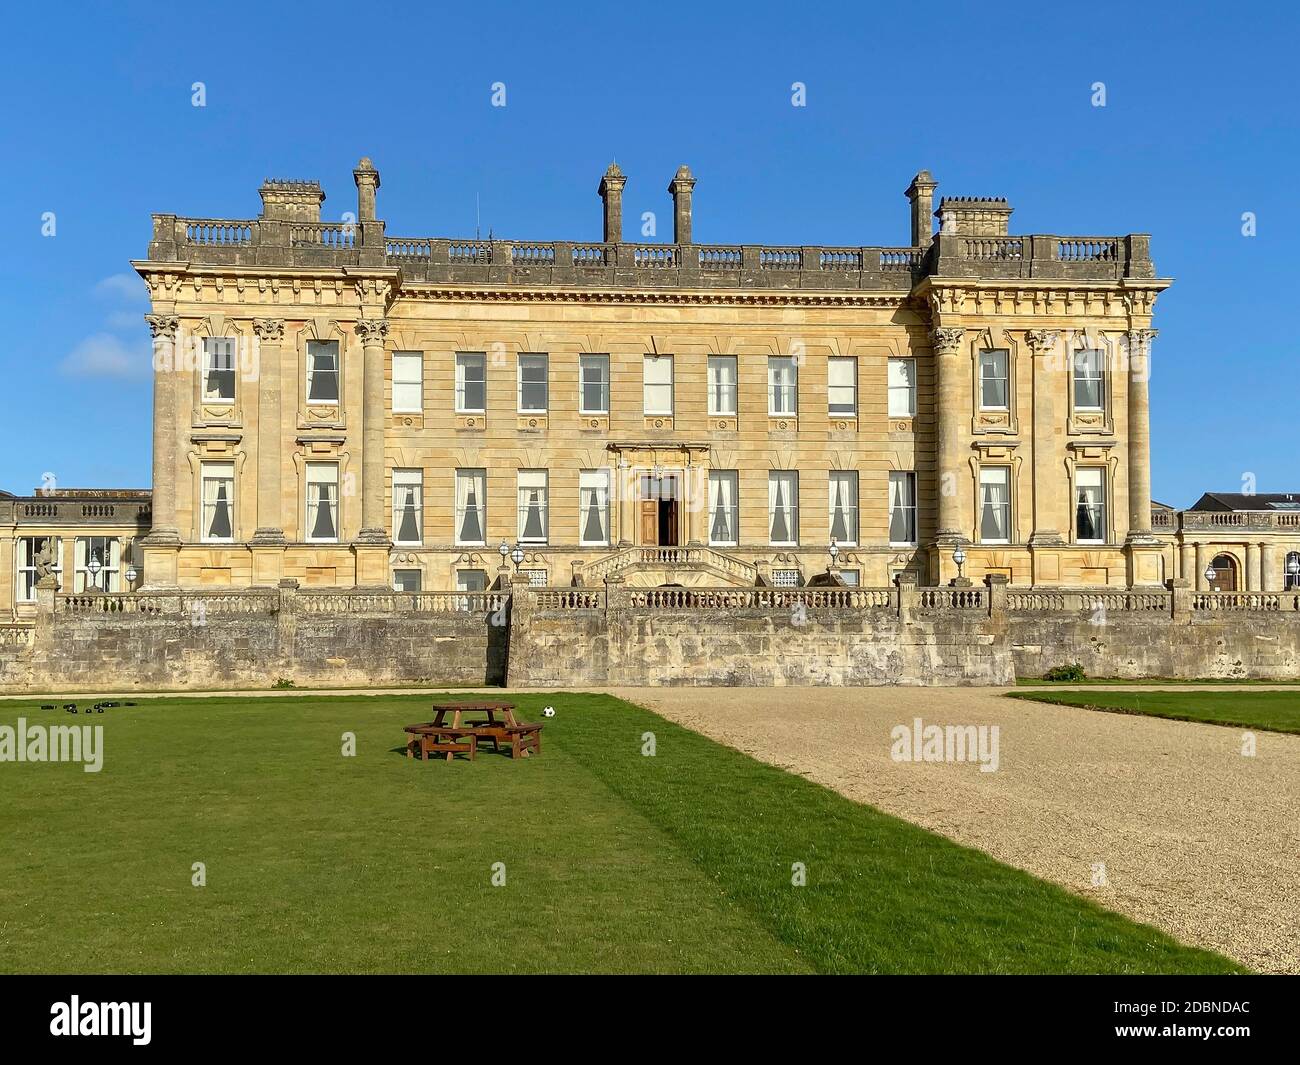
109, 577
1005, 378
25, 571
522, 506
778, 366
1078, 378
731, 503
217, 350
311, 476
404, 481
463, 360
849, 480
337, 371
907, 478
470, 477
789, 478
841, 363
404, 381
597, 481
907, 407
533, 359
601, 363
208, 472
657, 396
1005, 479
723, 392
1097, 474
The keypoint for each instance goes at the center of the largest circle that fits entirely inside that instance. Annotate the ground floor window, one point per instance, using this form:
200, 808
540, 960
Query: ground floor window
902, 507
1090, 505
471, 506
536, 577
105, 575
995, 504
724, 524
471, 580
322, 502
533, 510
844, 506
408, 506
783, 507
593, 507
785, 578
406, 580
851, 577
218, 491
36, 553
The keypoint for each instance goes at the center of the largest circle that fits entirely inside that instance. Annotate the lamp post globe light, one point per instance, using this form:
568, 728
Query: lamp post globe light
1293, 566
835, 551
1210, 573
94, 566
131, 575
959, 557
505, 552
517, 557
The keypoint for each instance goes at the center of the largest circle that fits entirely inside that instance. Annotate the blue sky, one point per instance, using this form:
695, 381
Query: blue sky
1199, 127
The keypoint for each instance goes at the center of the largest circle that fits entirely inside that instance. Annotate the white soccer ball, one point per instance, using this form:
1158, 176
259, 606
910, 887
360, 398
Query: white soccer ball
548, 712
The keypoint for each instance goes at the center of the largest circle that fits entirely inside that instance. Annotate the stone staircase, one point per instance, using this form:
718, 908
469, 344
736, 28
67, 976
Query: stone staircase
668, 560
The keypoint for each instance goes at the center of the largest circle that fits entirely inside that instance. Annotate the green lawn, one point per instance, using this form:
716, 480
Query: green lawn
1273, 711
615, 862
1158, 682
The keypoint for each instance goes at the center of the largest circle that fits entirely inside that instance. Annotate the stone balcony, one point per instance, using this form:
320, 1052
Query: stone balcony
275, 243
1229, 523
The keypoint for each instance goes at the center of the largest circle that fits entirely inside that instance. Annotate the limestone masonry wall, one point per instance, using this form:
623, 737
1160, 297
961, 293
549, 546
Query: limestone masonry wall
662, 636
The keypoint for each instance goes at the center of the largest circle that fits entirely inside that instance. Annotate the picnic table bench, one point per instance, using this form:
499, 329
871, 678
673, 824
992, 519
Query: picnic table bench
459, 737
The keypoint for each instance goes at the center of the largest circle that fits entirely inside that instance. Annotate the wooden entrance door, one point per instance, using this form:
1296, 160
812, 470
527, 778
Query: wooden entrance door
658, 510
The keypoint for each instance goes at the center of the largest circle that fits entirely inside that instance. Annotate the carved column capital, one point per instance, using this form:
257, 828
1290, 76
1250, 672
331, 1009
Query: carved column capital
947, 339
1139, 341
372, 330
269, 328
163, 325
1042, 341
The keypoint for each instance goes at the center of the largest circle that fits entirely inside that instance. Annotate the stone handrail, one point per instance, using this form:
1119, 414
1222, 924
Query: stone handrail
953, 599
1244, 520
1075, 600
81, 512
760, 598
595, 264
1253, 602
569, 598
600, 568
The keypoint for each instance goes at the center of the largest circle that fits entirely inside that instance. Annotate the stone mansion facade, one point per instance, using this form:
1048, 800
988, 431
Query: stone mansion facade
346, 408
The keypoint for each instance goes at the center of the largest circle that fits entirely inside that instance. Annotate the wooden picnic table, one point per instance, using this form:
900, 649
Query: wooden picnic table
461, 737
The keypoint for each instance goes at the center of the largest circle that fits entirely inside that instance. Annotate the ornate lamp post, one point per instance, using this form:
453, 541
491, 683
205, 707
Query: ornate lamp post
505, 552
131, 575
1293, 570
517, 557
94, 566
835, 552
959, 557
1210, 574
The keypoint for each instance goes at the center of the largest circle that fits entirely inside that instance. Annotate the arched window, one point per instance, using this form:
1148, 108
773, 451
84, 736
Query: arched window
1225, 574
1291, 571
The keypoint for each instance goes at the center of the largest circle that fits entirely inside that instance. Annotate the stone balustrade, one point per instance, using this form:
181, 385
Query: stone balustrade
275, 242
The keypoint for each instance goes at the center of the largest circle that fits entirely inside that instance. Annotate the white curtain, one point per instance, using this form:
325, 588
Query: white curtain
996, 510
470, 506
722, 526
593, 506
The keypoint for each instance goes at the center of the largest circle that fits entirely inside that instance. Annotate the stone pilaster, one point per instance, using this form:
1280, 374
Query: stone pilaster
951, 405
372, 543
268, 540
162, 544
1047, 466
1270, 578
1143, 548
626, 501
1253, 576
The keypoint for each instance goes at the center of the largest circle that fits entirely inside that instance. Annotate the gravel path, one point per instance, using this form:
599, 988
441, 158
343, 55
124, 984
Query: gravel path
1195, 838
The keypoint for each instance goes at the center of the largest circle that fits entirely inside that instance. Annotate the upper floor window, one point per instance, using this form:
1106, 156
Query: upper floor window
722, 384
994, 392
658, 378
842, 385
844, 506
902, 507
322, 371
902, 388
995, 504
408, 382
1088, 380
471, 382
533, 506
533, 383
782, 385
322, 502
217, 491
593, 387
593, 507
783, 507
471, 506
1090, 505
105, 576
724, 515
219, 370
408, 507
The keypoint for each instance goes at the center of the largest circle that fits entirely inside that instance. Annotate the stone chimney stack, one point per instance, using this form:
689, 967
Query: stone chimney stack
980, 216
611, 192
367, 179
291, 201
921, 194
681, 186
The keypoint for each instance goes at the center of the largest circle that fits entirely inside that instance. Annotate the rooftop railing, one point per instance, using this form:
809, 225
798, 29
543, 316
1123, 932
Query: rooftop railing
271, 242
